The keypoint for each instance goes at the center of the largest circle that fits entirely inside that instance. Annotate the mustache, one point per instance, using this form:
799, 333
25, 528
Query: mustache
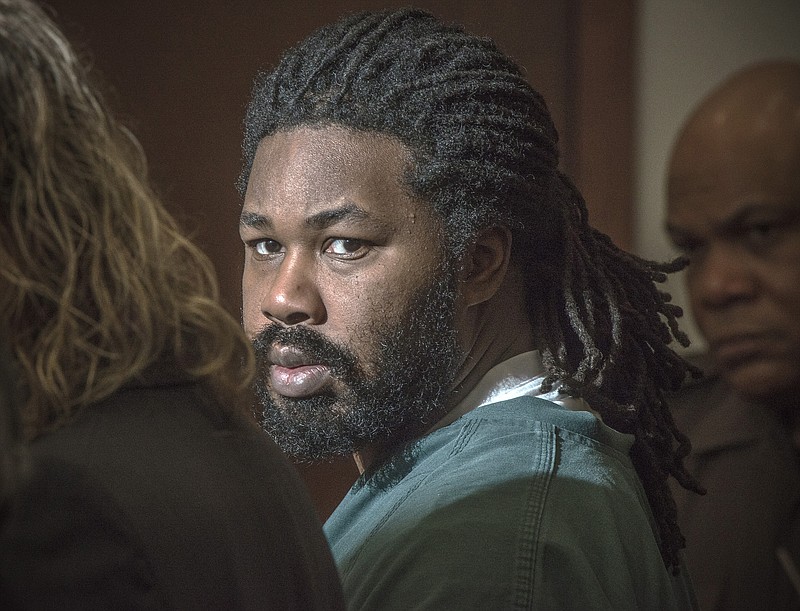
313, 345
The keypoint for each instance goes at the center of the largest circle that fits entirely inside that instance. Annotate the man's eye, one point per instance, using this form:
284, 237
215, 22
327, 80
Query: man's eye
761, 237
757, 232
347, 248
265, 248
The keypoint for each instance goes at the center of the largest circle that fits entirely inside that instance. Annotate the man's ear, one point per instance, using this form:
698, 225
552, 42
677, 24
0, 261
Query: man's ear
485, 264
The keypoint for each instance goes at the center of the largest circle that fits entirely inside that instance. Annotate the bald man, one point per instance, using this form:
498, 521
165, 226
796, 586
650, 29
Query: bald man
734, 210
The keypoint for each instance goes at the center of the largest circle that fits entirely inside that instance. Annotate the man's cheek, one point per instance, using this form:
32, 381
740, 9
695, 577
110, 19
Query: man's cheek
250, 318
367, 343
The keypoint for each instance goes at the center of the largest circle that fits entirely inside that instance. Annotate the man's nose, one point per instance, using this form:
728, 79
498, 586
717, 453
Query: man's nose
721, 277
293, 297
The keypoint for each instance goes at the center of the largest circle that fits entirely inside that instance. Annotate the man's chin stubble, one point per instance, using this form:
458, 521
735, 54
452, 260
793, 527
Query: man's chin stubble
416, 369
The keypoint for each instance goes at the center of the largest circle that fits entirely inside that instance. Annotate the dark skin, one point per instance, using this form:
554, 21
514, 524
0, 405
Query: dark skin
335, 241
734, 209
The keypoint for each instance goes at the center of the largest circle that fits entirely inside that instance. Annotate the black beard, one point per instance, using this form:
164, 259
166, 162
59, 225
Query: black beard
416, 367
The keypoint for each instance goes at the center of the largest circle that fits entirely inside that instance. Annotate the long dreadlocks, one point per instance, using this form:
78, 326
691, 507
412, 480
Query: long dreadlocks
485, 151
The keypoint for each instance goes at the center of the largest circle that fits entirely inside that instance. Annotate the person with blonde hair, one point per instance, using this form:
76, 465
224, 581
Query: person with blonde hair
151, 485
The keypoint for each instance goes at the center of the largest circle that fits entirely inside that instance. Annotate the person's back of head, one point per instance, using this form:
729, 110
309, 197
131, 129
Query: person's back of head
484, 152
97, 281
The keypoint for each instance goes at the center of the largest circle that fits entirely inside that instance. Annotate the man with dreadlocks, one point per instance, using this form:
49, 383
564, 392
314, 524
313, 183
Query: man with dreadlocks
424, 292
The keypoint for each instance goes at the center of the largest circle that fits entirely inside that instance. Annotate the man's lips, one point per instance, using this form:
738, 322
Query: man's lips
294, 374
297, 382
738, 348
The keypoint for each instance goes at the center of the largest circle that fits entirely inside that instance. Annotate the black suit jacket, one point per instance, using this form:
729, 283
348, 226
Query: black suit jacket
156, 499
745, 460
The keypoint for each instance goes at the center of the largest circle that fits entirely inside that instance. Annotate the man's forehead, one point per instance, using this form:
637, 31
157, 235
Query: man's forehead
687, 181
315, 159
760, 172
331, 144
321, 176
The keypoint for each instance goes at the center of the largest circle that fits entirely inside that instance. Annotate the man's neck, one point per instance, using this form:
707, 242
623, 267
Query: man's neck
497, 330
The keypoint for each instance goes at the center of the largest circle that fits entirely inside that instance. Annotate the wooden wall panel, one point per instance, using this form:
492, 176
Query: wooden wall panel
601, 112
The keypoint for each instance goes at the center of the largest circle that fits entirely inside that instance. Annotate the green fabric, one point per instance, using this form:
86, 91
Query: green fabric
517, 505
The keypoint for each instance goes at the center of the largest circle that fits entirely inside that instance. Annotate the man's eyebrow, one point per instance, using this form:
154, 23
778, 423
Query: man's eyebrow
254, 220
318, 221
787, 212
326, 218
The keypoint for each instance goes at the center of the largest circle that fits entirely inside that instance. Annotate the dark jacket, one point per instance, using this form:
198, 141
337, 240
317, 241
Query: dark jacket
155, 499
745, 460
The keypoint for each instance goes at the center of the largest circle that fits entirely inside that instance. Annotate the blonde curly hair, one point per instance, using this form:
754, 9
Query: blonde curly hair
97, 282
